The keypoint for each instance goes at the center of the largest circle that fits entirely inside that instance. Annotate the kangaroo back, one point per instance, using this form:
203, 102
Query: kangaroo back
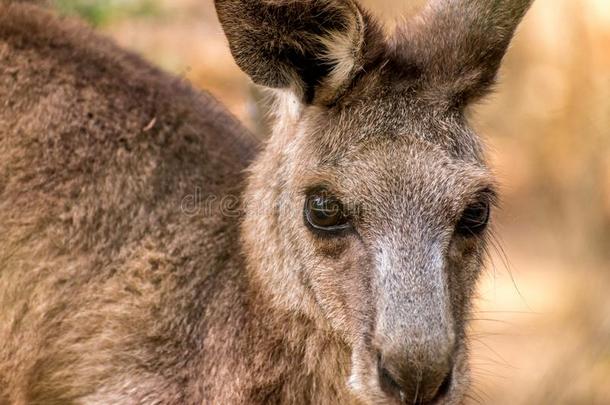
102, 267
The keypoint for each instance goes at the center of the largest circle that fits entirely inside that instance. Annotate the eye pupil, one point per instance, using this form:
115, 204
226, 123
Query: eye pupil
325, 213
474, 219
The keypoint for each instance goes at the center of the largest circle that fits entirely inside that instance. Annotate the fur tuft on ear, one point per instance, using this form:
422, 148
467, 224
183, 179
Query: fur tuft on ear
312, 47
459, 45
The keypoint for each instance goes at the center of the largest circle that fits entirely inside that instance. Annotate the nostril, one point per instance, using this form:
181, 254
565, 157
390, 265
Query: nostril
445, 386
388, 383
424, 385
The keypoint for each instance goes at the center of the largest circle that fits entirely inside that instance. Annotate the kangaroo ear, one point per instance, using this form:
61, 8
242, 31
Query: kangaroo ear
313, 47
459, 44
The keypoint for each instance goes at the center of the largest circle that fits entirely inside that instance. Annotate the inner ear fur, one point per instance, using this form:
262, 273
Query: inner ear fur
312, 47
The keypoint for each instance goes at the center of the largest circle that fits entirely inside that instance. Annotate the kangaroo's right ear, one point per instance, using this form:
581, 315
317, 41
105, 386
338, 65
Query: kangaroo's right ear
313, 47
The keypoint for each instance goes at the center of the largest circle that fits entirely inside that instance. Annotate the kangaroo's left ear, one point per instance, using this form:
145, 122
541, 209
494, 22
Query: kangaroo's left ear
313, 47
459, 44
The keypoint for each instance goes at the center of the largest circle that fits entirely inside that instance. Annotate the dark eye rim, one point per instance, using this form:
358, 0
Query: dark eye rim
475, 226
335, 230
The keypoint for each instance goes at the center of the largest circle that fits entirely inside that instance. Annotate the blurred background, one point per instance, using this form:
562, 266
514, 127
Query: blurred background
541, 330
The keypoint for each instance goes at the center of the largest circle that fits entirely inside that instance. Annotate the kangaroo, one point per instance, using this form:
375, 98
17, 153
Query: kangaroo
152, 253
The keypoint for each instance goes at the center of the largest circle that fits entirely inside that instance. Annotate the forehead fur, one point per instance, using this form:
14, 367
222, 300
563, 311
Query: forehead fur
383, 107
403, 172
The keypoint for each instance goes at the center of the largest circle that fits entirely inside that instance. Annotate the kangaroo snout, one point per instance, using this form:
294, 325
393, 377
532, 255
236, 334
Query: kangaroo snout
414, 336
416, 372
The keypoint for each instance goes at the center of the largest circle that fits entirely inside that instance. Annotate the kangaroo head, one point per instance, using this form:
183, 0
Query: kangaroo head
368, 209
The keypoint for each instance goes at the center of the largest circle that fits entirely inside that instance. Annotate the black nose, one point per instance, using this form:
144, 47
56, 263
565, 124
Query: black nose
414, 382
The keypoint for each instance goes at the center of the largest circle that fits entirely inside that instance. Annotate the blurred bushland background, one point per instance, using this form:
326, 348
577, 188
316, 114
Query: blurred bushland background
541, 330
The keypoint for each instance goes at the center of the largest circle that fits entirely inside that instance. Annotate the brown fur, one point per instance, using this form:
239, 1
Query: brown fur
114, 289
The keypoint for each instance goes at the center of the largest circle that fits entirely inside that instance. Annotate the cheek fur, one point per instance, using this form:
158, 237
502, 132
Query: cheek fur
340, 283
464, 263
331, 248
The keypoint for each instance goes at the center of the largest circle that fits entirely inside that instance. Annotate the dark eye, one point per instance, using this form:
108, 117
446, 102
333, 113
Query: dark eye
325, 213
474, 219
